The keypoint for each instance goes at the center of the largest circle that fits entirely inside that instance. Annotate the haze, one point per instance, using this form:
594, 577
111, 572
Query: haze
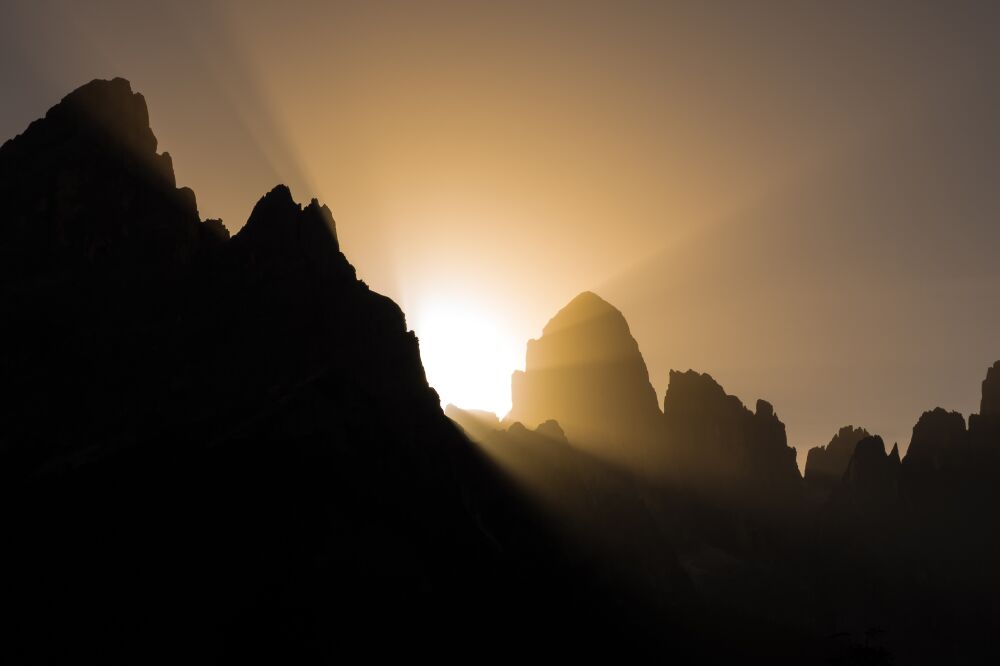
804, 206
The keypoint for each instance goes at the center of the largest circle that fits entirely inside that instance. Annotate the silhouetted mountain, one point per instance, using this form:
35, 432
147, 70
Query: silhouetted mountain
872, 475
717, 442
939, 439
586, 372
85, 187
984, 427
825, 465
989, 405
217, 449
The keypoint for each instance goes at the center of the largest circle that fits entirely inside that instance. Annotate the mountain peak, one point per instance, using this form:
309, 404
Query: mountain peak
990, 403
84, 186
585, 307
825, 465
111, 108
717, 441
586, 372
938, 436
279, 224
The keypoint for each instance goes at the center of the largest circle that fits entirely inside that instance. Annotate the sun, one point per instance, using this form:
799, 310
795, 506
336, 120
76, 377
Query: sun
468, 355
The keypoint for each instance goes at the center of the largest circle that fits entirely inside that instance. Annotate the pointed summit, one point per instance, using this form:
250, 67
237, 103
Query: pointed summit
587, 373
872, 476
894, 454
280, 233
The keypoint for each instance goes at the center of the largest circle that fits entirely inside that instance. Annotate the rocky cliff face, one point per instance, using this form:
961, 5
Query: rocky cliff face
586, 372
715, 440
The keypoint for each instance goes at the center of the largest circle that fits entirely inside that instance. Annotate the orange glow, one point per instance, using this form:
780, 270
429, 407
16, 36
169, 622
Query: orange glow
468, 354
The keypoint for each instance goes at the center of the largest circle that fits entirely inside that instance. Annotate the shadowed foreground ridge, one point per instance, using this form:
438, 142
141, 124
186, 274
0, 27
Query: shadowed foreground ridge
868, 559
218, 449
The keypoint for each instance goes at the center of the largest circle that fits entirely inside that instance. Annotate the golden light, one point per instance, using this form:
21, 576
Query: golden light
468, 355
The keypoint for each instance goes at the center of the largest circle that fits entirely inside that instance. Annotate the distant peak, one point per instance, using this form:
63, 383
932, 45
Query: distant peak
588, 300
694, 381
585, 307
894, 454
990, 404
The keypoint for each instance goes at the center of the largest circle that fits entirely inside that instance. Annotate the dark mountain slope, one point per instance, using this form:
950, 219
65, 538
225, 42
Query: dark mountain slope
215, 449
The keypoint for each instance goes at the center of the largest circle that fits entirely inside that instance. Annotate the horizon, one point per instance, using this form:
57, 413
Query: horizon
828, 250
464, 328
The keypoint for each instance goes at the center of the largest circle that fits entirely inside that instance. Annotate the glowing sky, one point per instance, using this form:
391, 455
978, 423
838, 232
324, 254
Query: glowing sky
801, 201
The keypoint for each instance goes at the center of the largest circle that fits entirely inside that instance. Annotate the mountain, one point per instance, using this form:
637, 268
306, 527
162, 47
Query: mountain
219, 449
587, 373
939, 439
825, 466
872, 475
984, 427
716, 442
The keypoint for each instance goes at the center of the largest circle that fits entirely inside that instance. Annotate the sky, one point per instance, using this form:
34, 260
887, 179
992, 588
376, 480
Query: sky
798, 198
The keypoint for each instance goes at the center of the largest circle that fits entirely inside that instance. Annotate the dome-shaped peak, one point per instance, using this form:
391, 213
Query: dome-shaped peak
584, 308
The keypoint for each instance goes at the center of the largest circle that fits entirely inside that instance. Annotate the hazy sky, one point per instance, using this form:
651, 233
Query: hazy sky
800, 199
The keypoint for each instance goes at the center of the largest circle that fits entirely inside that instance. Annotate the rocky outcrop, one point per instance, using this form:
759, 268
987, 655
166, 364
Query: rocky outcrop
84, 186
587, 373
939, 440
825, 465
984, 427
714, 440
872, 476
989, 405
